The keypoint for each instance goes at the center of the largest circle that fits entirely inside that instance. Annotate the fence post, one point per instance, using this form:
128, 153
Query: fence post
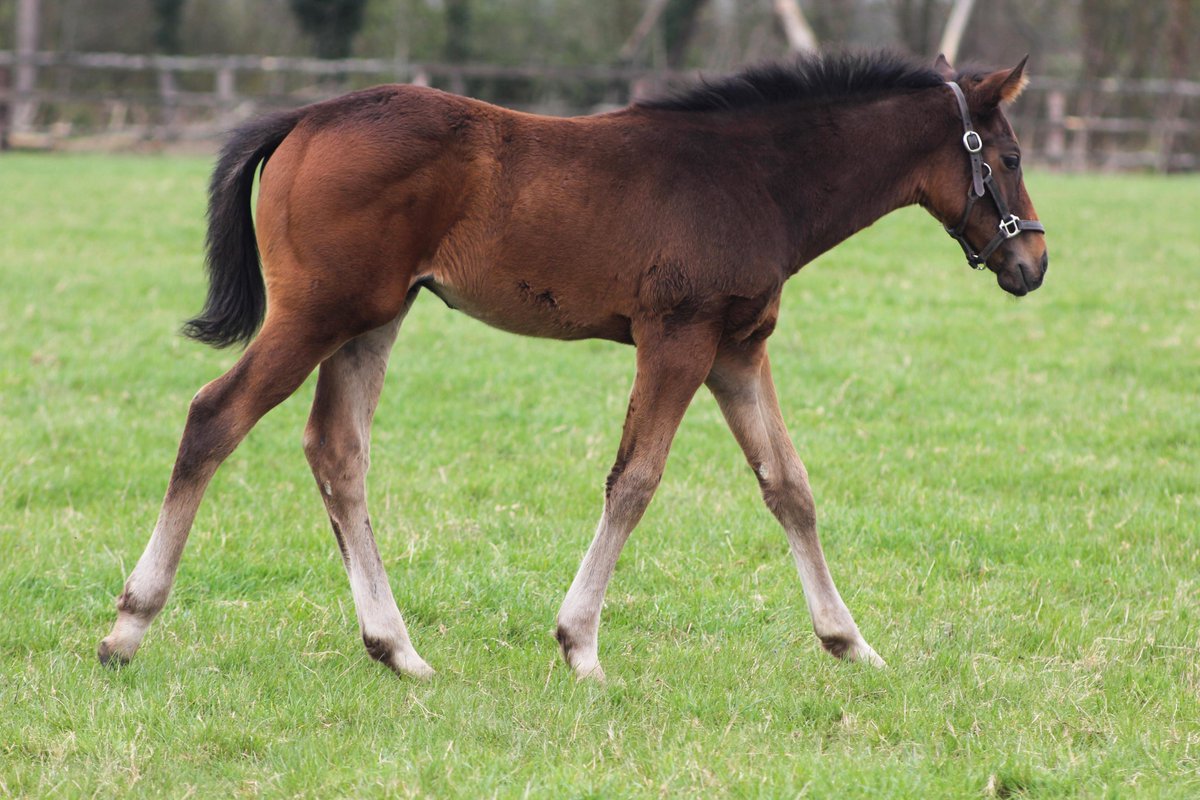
1169, 112
24, 106
5, 106
1056, 119
1080, 130
170, 108
226, 95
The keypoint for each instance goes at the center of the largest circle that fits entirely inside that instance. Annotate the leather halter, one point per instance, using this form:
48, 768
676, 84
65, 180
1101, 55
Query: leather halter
1011, 225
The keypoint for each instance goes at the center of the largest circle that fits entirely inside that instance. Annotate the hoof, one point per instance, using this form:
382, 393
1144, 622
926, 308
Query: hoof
110, 655
852, 649
581, 658
589, 674
864, 654
402, 660
411, 666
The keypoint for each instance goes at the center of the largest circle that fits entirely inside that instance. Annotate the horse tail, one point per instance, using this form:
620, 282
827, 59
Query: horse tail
237, 296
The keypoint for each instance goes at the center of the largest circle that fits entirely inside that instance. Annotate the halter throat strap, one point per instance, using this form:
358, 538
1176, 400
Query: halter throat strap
982, 183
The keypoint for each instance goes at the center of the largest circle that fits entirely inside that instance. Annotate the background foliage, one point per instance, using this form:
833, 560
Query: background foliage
1098, 38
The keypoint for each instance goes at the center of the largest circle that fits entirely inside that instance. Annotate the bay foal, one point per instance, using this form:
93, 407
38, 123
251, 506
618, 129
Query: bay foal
670, 225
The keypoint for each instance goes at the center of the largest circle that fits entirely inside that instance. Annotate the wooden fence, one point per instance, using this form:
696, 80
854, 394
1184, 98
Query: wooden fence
127, 99
1111, 124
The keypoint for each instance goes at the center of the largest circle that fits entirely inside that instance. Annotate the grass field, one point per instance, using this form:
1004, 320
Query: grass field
1009, 495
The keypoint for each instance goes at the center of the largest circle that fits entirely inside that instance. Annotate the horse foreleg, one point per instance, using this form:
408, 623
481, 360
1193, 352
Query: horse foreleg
741, 382
221, 414
669, 371
337, 442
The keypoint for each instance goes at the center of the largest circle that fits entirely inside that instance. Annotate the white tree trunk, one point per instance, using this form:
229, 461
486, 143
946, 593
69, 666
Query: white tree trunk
956, 24
24, 108
799, 33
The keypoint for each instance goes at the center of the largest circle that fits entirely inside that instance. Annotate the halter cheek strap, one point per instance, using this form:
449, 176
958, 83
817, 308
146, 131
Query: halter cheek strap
1010, 225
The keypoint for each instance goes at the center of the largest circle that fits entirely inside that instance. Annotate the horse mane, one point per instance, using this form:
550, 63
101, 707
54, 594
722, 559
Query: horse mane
831, 77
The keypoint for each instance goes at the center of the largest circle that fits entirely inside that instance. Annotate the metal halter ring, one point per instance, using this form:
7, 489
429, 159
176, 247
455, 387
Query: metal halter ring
972, 138
1010, 226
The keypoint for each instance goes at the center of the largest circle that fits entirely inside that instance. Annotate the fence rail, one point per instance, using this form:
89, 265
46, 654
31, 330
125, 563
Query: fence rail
1073, 125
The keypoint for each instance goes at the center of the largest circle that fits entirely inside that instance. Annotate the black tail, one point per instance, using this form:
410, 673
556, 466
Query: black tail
237, 298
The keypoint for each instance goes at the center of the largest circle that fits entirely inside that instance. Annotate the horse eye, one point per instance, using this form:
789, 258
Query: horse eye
1012, 162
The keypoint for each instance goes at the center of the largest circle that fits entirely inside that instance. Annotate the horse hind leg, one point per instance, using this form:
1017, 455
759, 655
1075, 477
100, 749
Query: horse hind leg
337, 444
741, 382
219, 417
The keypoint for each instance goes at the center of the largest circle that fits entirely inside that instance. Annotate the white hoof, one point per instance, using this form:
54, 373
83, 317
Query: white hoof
852, 648
401, 658
591, 672
864, 653
411, 665
119, 647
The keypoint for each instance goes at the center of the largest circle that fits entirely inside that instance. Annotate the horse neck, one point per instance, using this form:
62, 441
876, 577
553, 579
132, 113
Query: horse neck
843, 167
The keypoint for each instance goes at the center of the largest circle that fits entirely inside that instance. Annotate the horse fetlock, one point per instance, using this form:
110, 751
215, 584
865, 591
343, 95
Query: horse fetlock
141, 605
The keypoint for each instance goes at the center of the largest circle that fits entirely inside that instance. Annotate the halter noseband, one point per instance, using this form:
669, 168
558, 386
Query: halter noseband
1011, 225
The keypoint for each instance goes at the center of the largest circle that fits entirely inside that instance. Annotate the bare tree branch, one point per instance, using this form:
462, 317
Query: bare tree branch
633, 44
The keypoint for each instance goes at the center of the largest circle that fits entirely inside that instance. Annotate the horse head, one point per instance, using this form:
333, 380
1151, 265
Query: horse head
976, 188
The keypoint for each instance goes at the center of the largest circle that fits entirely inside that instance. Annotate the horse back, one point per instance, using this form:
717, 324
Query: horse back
565, 228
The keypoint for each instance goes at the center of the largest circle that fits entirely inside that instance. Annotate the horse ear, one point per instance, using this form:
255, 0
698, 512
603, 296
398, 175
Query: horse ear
1004, 86
942, 67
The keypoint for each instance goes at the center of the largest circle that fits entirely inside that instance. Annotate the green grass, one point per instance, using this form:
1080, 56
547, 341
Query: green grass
1009, 496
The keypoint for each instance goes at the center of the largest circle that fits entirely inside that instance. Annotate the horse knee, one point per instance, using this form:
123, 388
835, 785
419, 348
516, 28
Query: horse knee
788, 494
631, 489
333, 458
209, 434
314, 445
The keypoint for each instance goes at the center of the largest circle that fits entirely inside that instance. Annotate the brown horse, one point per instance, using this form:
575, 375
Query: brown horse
670, 225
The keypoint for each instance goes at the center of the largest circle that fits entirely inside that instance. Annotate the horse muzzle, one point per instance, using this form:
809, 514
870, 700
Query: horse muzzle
1019, 273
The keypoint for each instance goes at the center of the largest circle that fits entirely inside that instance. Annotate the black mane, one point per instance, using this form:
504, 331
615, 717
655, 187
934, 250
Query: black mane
822, 77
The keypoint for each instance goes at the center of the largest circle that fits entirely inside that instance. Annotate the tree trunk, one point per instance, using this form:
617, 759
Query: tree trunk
679, 26
633, 45
956, 24
457, 49
24, 106
799, 33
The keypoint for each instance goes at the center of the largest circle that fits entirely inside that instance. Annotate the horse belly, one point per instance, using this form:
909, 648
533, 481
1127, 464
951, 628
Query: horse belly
521, 306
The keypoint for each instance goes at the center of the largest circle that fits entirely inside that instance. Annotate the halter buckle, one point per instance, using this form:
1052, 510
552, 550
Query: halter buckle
972, 141
1010, 226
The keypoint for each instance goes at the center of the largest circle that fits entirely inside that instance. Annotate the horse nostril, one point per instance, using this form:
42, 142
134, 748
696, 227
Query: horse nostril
1045, 261
1029, 276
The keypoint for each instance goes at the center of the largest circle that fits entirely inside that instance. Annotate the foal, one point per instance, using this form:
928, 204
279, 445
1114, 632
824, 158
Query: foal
670, 225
